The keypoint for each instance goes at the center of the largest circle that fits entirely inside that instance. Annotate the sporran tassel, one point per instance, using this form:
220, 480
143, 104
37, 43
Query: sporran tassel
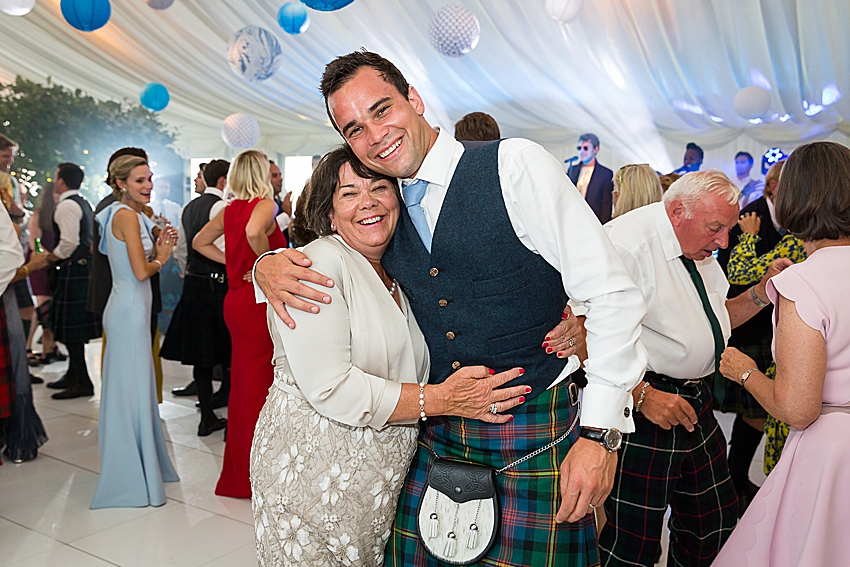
472, 538
451, 545
433, 525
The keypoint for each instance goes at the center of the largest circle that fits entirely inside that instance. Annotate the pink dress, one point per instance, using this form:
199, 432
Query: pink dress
801, 515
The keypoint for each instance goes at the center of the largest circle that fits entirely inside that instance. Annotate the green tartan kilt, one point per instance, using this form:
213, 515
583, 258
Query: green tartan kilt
738, 400
529, 493
71, 322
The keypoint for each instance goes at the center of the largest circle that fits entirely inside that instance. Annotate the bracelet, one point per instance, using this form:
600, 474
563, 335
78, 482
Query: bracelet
158, 262
642, 396
746, 376
26, 270
422, 415
756, 299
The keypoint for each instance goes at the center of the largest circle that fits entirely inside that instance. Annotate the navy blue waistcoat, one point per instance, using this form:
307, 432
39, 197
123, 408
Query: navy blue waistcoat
481, 296
83, 249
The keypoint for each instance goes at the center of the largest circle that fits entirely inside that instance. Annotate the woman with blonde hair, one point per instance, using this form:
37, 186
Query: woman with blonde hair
249, 228
635, 186
134, 458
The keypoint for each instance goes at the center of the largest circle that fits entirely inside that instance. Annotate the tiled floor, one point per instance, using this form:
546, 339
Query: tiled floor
44, 504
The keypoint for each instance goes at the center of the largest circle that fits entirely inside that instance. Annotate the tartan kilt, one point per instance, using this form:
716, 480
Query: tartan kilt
529, 493
71, 322
738, 400
6, 371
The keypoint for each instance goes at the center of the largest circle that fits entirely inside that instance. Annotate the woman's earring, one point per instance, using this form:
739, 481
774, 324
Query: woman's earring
333, 227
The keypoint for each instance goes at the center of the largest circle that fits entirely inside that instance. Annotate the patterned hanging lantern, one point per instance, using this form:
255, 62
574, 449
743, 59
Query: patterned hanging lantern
240, 131
454, 31
254, 53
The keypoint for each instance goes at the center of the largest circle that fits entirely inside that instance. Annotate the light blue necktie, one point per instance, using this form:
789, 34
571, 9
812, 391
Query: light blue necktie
413, 194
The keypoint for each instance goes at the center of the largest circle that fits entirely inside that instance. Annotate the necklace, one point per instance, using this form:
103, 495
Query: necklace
392, 289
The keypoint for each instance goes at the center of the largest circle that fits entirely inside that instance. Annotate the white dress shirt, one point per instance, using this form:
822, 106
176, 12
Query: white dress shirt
676, 332
67, 217
11, 254
182, 248
550, 218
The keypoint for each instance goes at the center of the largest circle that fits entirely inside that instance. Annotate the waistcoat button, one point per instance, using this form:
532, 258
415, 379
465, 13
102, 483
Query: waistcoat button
434, 272
450, 335
443, 302
455, 365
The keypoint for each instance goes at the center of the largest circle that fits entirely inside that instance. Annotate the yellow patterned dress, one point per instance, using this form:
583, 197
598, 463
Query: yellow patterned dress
745, 268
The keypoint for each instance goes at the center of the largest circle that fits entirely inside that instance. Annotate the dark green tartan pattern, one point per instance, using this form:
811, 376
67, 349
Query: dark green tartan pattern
529, 493
687, 471
738, 400
71, 322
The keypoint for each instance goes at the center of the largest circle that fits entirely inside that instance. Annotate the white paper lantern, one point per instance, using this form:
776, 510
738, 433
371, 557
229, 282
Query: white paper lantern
751, 102
240, 131
160, 4
454, 31
254, 53
565, 11
16, 7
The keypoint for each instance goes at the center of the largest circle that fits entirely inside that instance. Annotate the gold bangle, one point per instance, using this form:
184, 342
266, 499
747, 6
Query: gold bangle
26, 271
160, 264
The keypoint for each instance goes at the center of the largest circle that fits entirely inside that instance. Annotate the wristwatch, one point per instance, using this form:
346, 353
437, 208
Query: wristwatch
611, 439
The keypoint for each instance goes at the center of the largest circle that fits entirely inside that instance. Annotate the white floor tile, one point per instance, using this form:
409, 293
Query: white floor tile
245, 556
73, 439
61, 556
18, 543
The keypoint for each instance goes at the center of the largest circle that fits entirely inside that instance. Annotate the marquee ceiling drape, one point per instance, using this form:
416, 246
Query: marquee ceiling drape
645, 75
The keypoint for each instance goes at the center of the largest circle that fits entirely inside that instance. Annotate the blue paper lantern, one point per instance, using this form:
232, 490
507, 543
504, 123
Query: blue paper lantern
293, 18
154, 97
454, 31
240, 131
254, 53
327, 5
86, 15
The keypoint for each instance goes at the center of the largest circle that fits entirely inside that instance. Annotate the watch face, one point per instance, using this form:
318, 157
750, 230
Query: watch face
612, 439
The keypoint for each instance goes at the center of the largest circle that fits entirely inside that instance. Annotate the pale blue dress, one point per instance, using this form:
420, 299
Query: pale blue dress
134, 459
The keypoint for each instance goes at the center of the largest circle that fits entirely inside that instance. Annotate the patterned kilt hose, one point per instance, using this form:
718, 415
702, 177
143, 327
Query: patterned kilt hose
738, 400
686, 470
71, 322
528, 493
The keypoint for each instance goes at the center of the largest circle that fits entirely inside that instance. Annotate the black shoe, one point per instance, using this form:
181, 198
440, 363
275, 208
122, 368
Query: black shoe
219, 400
189, 389
36, 380
207, 427
61, 384
73, 392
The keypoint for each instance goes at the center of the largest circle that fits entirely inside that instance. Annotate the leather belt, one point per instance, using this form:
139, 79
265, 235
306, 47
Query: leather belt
216, 276
681, 383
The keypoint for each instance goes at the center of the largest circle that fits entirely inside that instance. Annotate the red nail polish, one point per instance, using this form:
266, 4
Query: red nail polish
528, 389
545, 344
549, 350
510, 418
522, 399
522, 370
491, 371
565, 315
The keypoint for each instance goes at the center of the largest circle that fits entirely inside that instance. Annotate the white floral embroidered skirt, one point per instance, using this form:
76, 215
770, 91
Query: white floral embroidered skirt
324, 493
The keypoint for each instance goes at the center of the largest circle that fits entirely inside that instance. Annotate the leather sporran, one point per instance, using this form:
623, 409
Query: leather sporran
458, 516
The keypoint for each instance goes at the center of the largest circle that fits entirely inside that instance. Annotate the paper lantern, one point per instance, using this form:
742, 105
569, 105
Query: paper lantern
454, 31
254, 53
751, 102
565, 11
240, 131
16, 7
327, 5
86, 15
293, 18
160, 4
154, 97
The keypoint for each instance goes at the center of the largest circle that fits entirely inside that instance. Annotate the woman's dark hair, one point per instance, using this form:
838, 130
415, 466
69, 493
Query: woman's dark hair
813, 198
47, 208
324, 183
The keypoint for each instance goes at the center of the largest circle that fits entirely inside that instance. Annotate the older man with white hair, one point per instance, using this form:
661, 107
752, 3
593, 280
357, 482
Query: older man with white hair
677, 454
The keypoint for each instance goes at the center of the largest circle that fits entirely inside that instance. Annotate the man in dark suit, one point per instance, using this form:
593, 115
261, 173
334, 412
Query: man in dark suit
594, 181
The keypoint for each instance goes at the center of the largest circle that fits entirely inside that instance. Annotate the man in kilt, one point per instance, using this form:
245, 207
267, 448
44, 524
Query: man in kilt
73, 325
677, 454
490, 244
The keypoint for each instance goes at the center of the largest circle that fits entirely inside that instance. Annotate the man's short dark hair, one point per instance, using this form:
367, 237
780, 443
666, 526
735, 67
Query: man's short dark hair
215, 170
323, 185
813, 198
138, 152
592, 138
477, 127
343, 68
6, 142
747, 155
71, 173
696, 148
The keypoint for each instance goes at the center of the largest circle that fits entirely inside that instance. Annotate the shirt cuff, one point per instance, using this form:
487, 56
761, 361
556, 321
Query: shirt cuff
606, 407
387, 405
259, 296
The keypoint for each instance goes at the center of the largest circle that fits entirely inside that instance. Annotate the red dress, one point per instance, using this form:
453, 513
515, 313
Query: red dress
251, 371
